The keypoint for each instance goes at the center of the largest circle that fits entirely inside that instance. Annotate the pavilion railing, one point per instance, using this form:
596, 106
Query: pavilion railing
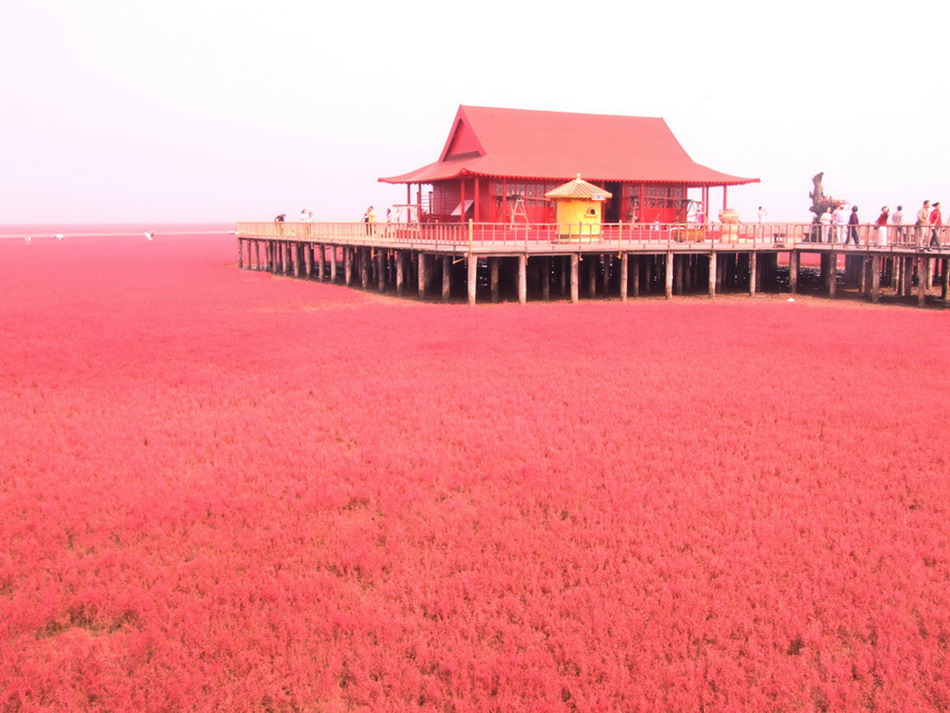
555, 237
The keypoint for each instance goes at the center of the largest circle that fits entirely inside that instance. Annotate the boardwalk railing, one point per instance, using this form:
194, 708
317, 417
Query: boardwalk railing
559, 237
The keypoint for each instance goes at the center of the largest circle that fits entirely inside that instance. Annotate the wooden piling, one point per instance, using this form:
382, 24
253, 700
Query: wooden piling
400, 273
907, 276
922, 281
669, 276
308, 259
830, 267
713, 273
575, 278
493, 278
472, 278
422, 275
875, 278
624, 276
522, 278
364, 268
446, 277
794, 266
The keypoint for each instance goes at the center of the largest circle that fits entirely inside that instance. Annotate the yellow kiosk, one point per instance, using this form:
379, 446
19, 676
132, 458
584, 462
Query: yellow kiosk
579, 208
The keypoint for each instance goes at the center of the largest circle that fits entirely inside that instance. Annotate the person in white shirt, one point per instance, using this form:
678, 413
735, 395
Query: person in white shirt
825, 220
841, 220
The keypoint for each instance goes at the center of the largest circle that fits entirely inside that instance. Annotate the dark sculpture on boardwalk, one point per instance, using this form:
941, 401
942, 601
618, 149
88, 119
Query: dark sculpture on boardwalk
820, 203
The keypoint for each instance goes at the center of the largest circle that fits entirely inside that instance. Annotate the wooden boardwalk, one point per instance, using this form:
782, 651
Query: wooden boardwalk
443, 261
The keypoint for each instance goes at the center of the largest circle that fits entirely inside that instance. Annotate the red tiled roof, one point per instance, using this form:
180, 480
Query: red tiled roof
521, 143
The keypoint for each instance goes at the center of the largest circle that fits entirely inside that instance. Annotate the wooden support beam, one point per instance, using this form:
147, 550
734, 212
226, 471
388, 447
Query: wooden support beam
364, 268
875, 282
241, 254
944, 278
794, 266
347, 265
922, 281
446, 277
590, 261
321, 262
753, 272
422, 275
830, 266
713, 272
575, 278
678, 269
545, 278
624, 276
605, 275
522, 278
333, 267
472, 278
907, 276
669, 276
381, 265
635, 288
400, 273
493, 277
308, 259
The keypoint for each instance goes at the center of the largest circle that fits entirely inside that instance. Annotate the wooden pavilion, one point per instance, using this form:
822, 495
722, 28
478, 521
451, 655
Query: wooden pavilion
497, 165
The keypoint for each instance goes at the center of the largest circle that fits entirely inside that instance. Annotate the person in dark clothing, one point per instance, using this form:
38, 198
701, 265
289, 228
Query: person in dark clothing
853, 223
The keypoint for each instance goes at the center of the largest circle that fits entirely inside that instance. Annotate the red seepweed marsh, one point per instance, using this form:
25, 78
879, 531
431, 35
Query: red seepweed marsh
226, 490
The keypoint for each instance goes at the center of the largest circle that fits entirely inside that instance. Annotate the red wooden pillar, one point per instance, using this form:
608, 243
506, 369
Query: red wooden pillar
475, 214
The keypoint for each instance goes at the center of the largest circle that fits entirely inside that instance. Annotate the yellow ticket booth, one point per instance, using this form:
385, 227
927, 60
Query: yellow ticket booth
579, 208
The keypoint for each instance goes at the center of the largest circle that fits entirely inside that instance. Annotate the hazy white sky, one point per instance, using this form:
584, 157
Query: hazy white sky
181, 110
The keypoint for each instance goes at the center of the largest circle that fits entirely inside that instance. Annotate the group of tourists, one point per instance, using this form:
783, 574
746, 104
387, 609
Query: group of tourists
837, 224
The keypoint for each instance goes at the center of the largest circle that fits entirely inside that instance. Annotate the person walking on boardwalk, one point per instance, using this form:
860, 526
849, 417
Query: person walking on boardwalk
853, 223
897, 219
841, 222
882, 226
923, 222
936, 221
825, 221
369, 217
